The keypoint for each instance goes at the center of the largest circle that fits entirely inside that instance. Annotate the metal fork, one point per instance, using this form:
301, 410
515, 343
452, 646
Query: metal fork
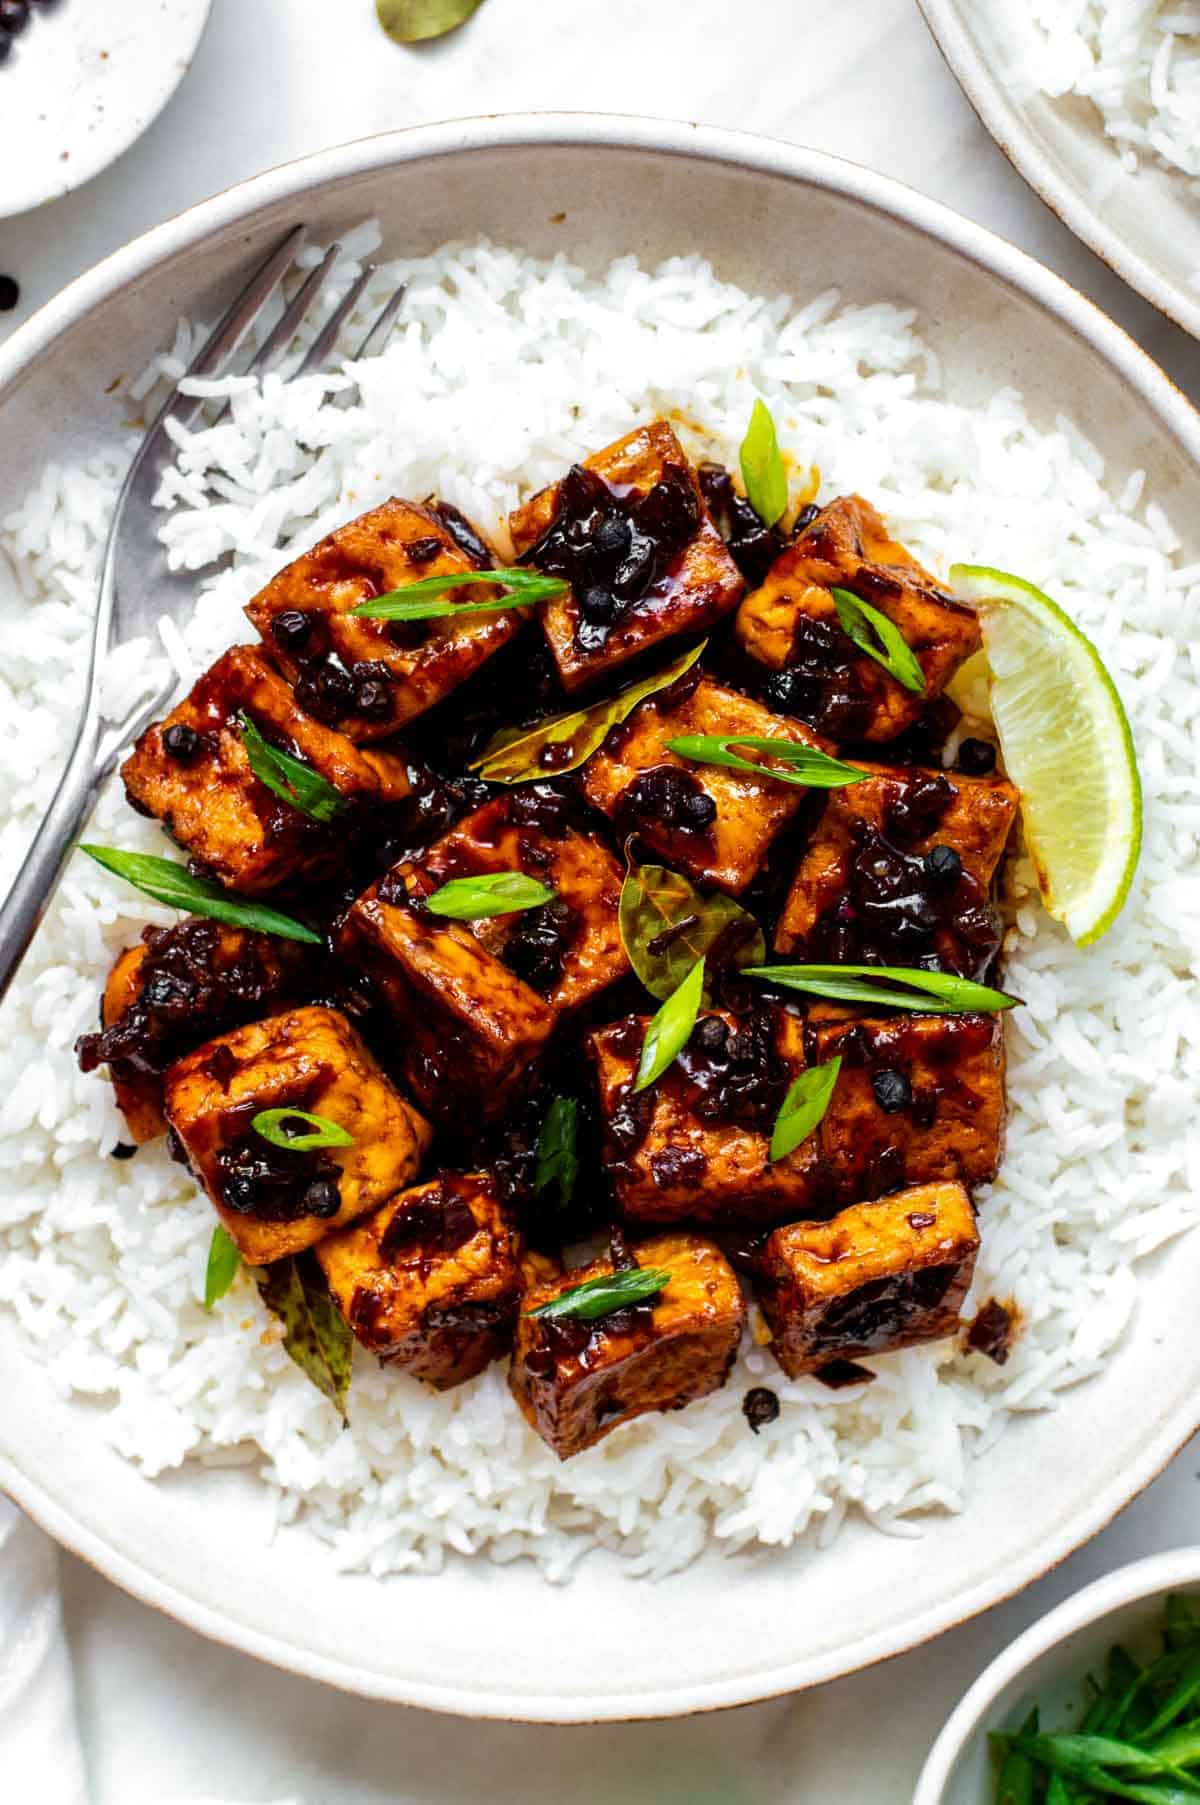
137, 588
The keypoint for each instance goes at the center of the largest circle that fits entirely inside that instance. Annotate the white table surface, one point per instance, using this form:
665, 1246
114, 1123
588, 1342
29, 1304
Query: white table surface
165, 1714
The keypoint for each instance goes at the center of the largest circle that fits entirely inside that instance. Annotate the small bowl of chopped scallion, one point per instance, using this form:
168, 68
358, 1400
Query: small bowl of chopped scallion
1096, 1704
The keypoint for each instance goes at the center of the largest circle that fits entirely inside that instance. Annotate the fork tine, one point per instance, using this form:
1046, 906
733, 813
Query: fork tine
228, 334
377, 337
327, 337
275, 345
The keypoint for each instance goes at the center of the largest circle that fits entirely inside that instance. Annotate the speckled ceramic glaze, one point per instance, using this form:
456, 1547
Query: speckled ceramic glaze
1146, 226
82, 83
498, 1641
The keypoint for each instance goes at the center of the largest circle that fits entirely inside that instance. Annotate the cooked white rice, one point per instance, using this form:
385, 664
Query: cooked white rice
1138, 61
504, 370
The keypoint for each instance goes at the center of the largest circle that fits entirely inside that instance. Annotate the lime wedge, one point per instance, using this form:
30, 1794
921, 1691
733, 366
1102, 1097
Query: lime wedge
1067, 746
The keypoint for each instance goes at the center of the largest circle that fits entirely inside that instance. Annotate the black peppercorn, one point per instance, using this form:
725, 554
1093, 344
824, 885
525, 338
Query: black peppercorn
892, 1091
181, 742
943, 864
423, 551
976, 757
14, 16
291, 629
122, 1150
760, 1406
322, 1197
10, 293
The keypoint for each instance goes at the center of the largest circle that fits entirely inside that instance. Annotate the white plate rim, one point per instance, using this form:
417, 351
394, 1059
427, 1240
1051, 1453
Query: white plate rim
1002, 117
237, 208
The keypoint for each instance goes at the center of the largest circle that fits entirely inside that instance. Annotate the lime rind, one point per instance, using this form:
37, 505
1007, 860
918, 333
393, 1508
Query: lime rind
1047, 678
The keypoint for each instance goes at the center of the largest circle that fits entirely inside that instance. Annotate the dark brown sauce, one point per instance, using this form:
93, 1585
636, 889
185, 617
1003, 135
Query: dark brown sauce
435, 1223
613, 548
992, 1332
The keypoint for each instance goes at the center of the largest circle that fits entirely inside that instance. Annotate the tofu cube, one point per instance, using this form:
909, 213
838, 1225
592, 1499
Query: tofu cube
193, 773
629, 531
877, 1276
275, 1201
430, 1282
866, 890
567, 950
178, 987
468, 1029
715, 823
138, 1093
371, 676
575, 1381
790, 624
919, 1099
695, 1145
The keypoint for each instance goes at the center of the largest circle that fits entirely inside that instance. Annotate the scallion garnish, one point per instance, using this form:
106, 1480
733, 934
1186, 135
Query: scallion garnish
880, 638
557, 1151
763, 471
420, 600
168, 882
895, 986
272, 1125
808, 767
598, 1297
289, 777
492, 893
223, 1262
808, 1098
671, 1028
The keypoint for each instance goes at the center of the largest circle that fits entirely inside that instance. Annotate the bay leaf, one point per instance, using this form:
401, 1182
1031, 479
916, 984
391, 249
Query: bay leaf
566, 741
667, 924
316, 1334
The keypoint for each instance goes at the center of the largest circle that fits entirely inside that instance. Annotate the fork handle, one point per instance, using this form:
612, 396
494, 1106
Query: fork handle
37, 880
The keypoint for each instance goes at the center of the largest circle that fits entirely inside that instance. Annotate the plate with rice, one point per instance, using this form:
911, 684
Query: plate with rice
995, 419
1097, 103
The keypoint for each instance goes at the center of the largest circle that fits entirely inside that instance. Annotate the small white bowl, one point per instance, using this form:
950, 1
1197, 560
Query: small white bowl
81, 84
1049, 1666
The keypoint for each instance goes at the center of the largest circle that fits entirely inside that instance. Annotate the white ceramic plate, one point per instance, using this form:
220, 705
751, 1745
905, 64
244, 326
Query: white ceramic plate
83, 81
1048, 1666
1146, 226
498, 1641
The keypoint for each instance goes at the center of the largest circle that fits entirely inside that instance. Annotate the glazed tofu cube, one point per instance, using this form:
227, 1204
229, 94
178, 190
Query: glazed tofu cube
275, 1201
878, 1276
577, 1381
430, 1282
715, 823
138, 1093
178, 987
192, 771
919, 1099
629, 531
695, 1145
468, 1028
872, 886
790, 625
370, 676
569, 949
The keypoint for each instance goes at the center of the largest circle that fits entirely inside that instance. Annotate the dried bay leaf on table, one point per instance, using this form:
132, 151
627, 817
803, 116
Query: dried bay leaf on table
414, 21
